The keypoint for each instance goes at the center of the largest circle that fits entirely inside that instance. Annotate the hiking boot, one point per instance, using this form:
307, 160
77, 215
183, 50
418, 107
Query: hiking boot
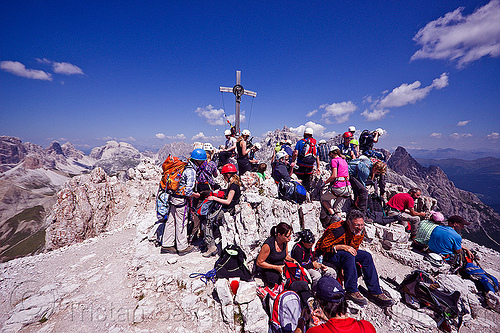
356, 298
187, 250
168, 249
381, 300
211, 251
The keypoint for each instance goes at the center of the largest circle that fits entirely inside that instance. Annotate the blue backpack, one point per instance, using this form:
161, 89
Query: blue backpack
484, 281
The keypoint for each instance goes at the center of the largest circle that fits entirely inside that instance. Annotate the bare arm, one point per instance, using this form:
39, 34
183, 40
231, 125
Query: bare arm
413, 212
261, 259
243, 145
226, 201
332, 176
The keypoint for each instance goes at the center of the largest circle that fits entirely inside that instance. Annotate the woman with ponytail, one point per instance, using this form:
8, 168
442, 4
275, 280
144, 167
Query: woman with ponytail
229, 201
273, 254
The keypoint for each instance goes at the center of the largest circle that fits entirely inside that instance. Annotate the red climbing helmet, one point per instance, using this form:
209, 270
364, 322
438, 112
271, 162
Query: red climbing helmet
347, 135
228, 168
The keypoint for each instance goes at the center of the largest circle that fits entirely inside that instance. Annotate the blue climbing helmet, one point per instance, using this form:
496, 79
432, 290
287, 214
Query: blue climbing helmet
199, 155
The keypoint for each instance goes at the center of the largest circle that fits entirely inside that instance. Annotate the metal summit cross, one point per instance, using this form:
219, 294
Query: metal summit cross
238, 91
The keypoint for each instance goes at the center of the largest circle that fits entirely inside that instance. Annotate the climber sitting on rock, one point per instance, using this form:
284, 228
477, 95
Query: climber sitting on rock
281, 168
340, 245
445, 240
229, 201
302, 252
402, 202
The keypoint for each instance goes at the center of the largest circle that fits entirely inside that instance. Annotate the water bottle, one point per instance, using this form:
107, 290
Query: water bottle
320, 259
297, 273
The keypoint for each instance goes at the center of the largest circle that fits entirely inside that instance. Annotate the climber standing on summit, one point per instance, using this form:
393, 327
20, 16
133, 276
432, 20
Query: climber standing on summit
174, 238
305, 155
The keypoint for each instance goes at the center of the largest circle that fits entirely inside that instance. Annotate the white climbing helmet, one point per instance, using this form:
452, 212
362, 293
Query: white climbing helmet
281, 154
245, 132
258, 146
309, 130
227, 132
208, 147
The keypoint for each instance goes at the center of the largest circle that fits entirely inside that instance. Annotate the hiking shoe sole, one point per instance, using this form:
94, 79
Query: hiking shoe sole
189, 249
168, 250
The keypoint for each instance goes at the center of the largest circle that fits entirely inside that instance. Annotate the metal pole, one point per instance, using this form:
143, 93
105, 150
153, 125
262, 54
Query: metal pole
238, 102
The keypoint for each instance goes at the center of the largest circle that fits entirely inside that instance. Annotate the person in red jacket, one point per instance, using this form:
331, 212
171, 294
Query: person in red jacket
333, 310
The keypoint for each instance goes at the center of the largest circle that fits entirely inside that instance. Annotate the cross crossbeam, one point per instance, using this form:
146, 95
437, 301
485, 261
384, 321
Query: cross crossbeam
238, 91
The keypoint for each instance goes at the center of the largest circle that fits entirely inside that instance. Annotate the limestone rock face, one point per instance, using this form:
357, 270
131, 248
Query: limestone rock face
11, 152
83, 209
115, 157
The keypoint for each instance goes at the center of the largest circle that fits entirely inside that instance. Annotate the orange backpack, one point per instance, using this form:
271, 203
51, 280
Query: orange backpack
172, 172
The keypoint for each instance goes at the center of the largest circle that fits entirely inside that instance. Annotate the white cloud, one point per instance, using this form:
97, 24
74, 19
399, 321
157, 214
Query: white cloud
463, 123
461, 38
232, 118
436, 135
109, 138
19, 69
340, 111
66, 68
162, 136
130, 138
374, 115
311, 113
61, 67
493, 136
411, 93
400, 96
319, 130
202, 137
457, 136
180, 136
211, 115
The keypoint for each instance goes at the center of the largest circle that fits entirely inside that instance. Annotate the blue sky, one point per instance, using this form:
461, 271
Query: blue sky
427, 72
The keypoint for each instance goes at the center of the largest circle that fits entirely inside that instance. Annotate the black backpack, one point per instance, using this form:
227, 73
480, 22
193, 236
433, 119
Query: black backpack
376, 203
231, 264
418, 290
363, 139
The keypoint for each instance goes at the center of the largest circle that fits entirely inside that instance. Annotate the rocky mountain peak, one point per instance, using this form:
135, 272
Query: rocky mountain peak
70, 151
55, 148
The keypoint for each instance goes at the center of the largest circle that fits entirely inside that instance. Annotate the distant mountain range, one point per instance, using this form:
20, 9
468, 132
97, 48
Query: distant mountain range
450, 153
480, 176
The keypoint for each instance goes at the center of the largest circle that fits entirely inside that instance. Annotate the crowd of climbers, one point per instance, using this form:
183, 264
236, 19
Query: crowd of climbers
333, 262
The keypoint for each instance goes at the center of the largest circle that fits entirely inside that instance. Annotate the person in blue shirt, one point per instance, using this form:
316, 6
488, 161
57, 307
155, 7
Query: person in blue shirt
446, 240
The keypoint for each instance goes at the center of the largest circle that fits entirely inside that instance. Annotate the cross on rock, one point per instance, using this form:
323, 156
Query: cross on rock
238, 91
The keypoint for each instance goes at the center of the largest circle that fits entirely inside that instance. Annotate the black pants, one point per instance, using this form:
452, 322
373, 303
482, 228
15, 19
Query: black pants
360, 194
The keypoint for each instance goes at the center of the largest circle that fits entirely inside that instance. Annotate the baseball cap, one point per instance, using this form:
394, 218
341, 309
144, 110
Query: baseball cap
330, 290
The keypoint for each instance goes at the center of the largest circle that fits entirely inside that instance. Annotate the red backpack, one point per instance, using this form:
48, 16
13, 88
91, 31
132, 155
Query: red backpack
294, 272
